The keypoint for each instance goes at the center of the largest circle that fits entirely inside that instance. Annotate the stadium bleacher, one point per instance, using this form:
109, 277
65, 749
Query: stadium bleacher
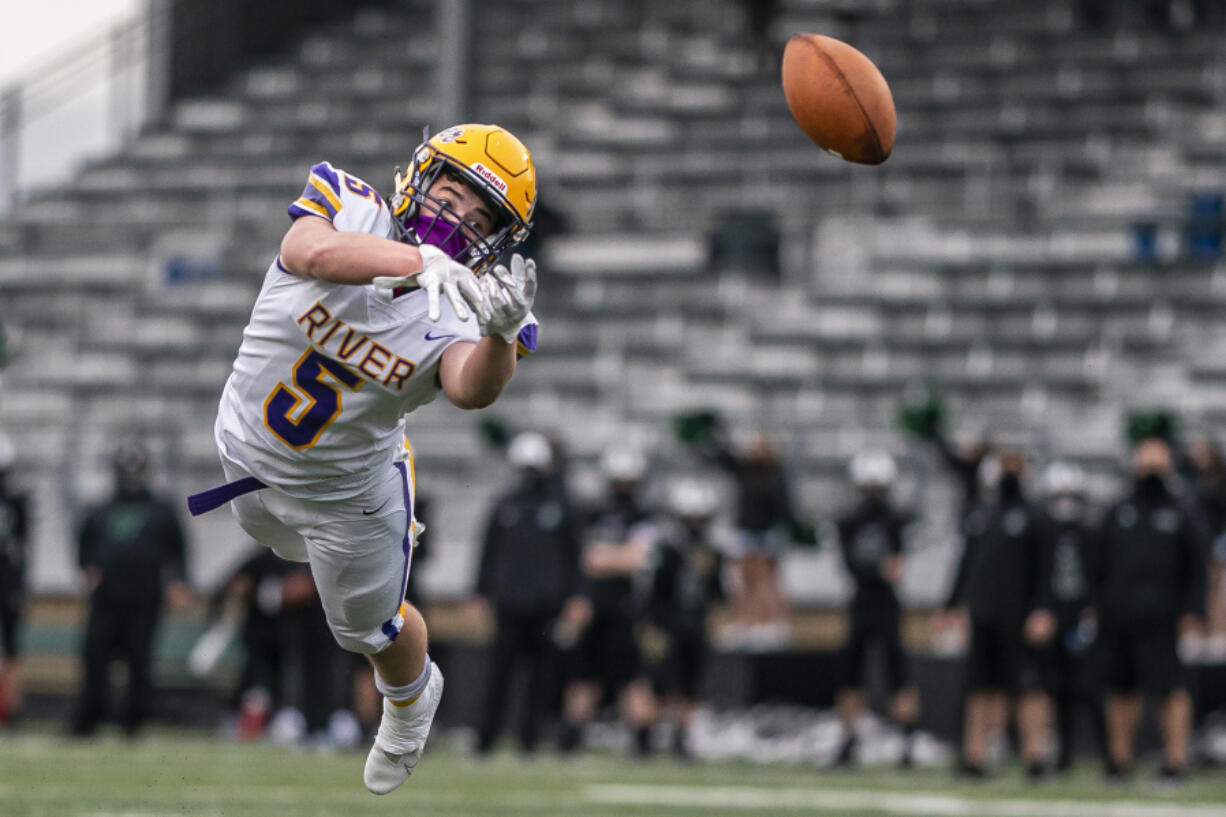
994, 255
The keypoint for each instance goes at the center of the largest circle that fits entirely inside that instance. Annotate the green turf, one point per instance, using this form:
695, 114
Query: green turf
175, 773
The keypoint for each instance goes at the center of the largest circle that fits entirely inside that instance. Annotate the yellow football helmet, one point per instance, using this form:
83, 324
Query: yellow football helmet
490, 160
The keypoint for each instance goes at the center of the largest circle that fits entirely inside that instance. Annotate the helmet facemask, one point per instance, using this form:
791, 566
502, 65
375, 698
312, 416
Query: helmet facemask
427, 220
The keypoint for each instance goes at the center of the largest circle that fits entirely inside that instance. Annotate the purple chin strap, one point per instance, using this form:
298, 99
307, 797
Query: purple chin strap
439, 232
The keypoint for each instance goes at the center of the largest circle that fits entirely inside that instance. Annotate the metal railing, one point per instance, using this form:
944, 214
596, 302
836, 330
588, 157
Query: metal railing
104, 90
82, 105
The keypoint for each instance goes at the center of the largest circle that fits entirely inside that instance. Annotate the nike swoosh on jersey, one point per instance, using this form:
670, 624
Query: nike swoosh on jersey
376, 510
437, 337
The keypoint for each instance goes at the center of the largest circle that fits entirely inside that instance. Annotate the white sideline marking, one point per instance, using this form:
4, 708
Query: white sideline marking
745, 797
153, 813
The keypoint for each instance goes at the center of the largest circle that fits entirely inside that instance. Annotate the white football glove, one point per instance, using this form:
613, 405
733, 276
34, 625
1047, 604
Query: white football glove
442, 274
510, 293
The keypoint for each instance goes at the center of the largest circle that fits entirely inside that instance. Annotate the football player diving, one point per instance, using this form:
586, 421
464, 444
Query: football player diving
370, 309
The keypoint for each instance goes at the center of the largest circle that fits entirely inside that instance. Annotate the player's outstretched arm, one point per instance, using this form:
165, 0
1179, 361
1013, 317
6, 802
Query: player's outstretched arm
313, 248
474, 374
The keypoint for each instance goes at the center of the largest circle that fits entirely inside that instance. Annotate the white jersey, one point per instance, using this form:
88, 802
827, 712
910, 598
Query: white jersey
325, 371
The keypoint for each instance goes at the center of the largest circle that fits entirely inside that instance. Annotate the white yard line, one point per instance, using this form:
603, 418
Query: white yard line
745, 797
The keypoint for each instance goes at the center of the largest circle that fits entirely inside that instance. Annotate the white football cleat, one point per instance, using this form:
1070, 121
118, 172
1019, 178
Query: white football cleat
400, 740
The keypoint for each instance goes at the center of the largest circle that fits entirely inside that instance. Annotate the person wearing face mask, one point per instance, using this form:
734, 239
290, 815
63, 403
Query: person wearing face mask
1148, 588
871, 540
131, 552
372, 308
998, 589
1063, 486
604, 663
528, 582
686, 581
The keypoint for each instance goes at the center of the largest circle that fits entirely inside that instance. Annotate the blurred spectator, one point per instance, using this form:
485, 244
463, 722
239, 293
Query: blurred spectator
765, 523
319, 664
1205, 470
1208, 476
605, 661
1063, 487
1216, 603
923, 415
1149, 587
256, 586
290, 658
132, 554
421, 549
965, 461
999, 585
529, 579
686, 581
870, 537
14, 534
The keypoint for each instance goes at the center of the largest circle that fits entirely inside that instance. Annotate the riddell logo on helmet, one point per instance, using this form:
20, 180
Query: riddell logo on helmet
490, 176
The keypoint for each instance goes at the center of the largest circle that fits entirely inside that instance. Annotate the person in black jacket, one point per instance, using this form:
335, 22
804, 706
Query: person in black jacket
529, 579
871, 540
1067, 581
14, 534
1149, 586
132, 554
999, 584
604, 664
686, 581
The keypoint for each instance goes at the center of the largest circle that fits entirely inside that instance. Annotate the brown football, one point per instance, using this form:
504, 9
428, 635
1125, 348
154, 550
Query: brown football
839, 98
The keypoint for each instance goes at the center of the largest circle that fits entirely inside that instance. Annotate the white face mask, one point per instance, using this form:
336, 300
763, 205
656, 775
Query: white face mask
989, 474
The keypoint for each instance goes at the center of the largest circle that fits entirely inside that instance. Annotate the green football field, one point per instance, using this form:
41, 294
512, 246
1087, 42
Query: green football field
194, 774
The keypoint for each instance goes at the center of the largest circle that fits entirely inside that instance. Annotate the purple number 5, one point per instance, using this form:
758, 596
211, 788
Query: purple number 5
299, 414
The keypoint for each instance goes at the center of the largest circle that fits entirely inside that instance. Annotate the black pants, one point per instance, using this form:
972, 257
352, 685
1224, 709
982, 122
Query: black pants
10, 626
523, 639
874, 620
318, 666
122, 631
606, 652
1070, 693
264, 663
680, 674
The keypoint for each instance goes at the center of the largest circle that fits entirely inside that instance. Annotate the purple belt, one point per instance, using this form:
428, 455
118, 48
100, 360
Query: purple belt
206, 501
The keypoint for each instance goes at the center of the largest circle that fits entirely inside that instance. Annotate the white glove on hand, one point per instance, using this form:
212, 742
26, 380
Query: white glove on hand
510, 293
442, 274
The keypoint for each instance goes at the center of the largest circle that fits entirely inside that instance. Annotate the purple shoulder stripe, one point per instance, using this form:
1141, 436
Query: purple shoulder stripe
324, 171
321, 196
300, 208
